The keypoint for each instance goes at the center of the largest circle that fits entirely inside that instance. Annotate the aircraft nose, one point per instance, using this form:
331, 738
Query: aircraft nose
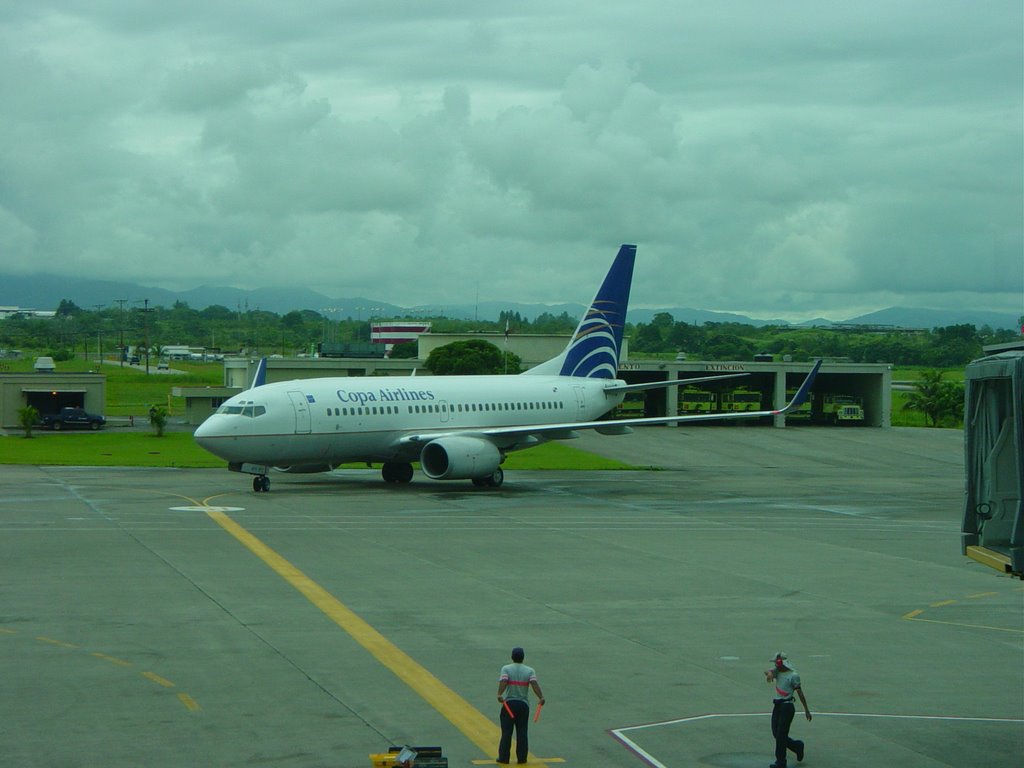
204, 432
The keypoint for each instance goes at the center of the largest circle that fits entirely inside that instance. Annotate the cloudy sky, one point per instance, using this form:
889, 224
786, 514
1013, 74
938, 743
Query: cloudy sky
780, 159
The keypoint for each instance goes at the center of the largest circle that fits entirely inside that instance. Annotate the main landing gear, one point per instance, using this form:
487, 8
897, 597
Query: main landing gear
396, 472
493, 480
261, 483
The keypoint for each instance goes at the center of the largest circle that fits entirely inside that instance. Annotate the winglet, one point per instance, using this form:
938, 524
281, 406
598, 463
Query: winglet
261, 374
804, 392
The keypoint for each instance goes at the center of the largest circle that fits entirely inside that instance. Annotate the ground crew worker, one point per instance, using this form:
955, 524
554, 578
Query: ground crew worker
514, 686
787, 681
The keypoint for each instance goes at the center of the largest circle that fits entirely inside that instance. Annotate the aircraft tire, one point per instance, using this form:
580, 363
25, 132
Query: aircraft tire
396, 472
495, 479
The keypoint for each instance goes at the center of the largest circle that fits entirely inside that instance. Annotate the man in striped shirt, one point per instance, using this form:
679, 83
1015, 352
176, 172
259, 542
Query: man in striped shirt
787, 682
514, 686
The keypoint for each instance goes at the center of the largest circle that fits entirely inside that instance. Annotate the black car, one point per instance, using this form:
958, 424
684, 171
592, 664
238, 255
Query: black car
73, 418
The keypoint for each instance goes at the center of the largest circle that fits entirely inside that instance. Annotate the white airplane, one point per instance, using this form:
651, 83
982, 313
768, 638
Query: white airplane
457, 427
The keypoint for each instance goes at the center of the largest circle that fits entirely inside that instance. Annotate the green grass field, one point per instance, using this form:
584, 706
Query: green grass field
111, 448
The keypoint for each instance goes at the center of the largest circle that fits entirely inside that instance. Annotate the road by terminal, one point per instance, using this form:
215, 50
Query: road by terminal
166, 617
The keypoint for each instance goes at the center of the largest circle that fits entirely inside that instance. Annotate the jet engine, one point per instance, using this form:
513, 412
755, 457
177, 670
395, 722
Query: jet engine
459, 458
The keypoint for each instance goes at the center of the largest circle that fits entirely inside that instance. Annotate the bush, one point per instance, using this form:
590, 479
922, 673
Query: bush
158, 419
28, 417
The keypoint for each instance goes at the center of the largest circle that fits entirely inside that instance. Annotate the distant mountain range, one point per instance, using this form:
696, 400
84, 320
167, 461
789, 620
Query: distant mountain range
45, 292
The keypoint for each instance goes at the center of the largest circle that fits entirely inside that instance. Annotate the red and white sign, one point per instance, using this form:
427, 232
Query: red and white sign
397, 333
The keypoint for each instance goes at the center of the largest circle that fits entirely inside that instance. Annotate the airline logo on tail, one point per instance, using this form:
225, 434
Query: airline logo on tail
595, 347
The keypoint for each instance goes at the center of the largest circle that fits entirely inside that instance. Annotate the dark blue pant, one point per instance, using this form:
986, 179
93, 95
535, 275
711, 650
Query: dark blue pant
520, 723
782, 719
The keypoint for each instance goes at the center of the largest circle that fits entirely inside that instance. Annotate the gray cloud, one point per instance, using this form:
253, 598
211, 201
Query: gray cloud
783, 160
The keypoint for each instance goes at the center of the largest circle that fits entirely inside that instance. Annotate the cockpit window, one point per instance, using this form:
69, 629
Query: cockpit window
243, 409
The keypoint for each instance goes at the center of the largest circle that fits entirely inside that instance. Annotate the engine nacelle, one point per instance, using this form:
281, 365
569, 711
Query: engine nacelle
459, 458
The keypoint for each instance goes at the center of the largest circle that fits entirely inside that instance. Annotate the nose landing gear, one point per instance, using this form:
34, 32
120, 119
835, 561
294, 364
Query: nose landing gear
261, 483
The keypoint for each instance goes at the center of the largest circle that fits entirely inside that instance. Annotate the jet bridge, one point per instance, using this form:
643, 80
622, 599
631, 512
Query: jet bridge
993, 525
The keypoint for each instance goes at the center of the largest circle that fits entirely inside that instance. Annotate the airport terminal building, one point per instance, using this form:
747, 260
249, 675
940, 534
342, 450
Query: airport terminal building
845, 393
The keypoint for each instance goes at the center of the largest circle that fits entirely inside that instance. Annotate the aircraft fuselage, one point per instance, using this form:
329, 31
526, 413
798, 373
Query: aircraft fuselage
346, 419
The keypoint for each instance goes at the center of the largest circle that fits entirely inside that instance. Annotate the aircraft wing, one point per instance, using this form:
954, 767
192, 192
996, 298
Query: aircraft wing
566, 430
612, 388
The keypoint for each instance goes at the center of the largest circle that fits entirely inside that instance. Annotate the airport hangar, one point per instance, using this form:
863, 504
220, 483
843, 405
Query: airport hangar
870, 383
49, 391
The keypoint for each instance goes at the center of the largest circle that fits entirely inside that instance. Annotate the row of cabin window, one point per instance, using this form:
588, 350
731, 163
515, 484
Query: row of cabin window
374, 410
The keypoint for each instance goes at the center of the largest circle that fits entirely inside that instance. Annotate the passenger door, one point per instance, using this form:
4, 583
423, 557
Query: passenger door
302, 417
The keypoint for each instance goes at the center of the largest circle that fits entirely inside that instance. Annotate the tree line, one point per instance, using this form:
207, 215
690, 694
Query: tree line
74, 331
943, 347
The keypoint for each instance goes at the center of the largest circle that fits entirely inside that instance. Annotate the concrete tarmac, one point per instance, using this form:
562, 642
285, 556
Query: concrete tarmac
174, 618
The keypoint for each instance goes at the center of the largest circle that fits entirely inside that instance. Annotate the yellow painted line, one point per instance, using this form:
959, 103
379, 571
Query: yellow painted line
157, 679
58, 643
185, 699
475, 726
542, 760
916, 615
113, 660
912, 617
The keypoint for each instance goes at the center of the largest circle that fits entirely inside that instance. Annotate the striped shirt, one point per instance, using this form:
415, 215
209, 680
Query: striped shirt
518, 677
786, 682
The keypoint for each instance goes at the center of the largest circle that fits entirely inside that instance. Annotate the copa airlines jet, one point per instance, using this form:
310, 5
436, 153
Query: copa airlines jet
457, 427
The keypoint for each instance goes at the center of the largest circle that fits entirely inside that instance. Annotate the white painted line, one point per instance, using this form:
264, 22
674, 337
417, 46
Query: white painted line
619, 733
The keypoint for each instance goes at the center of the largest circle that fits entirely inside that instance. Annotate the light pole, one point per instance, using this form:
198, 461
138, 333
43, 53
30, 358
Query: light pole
121, 303
146, 310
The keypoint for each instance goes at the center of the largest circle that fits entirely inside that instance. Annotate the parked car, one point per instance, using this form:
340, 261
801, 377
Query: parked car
73, 418
162, 365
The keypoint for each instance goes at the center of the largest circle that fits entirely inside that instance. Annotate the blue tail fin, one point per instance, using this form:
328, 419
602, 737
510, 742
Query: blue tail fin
594, 349
260, 377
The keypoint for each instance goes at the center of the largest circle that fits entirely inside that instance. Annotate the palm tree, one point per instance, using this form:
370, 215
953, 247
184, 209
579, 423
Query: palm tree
158, 419
28, 417
935, 398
